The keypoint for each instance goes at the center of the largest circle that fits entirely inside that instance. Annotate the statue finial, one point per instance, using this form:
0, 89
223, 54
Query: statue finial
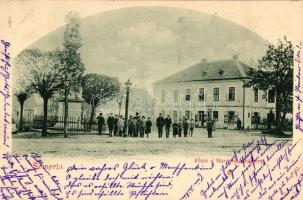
71, 34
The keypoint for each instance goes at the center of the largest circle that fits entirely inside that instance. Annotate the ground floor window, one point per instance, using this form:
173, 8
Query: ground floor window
231, 117
201, 118
187, 114
216, 115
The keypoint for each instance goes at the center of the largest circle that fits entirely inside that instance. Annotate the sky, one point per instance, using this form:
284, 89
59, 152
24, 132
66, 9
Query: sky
146, 42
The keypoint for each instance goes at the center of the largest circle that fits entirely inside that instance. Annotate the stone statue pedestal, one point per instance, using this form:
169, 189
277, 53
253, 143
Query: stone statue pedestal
74, 108
75, 111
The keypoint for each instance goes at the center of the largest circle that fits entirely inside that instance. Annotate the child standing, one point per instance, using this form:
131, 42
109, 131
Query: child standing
175, 129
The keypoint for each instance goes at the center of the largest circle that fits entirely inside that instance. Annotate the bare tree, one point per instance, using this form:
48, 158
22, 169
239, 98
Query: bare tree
98, 89
43, 72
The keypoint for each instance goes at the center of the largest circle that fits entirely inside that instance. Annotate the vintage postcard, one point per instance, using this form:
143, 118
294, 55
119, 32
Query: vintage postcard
151, 100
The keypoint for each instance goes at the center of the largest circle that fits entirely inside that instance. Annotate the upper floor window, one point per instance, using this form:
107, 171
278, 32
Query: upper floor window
216, 94
176, 95
201, 94
187, 94
271, 96
256, 94
231, 94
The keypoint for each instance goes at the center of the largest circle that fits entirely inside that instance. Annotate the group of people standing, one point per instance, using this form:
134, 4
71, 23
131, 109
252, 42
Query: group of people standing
115, 124
139, 126
185, 125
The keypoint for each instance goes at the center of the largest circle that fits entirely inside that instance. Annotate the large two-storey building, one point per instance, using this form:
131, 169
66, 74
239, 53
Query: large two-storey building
213, 89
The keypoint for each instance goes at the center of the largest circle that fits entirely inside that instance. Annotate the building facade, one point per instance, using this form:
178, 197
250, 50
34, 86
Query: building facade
213, 90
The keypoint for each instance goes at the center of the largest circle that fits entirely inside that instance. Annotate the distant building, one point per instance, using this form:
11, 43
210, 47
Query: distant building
213, 89
139, 101
33, 107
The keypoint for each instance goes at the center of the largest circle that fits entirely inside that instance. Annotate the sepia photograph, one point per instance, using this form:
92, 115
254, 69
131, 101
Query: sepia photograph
151, 100
150, 80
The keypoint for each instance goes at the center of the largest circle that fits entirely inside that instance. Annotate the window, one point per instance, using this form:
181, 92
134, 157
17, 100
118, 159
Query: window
216, 115
175, 94
187, 114
231, 117
216, 94
187, 94
209, 114
255, 118
271, 96
256, 94
163, 96
201, 116
201, 94
231, 94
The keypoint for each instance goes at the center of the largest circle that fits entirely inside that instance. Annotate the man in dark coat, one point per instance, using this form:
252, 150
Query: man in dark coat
160, 123
209, 126
111, 124
270, 119
239, 124
168, 123
180, 125
148, 125
185, 127
101, 122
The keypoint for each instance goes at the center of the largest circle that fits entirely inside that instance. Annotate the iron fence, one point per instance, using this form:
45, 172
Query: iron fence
75, 124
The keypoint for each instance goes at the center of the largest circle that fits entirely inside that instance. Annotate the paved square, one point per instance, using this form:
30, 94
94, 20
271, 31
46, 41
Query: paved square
222, 143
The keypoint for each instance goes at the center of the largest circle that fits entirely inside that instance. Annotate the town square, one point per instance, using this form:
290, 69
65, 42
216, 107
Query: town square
151, 100
65, 94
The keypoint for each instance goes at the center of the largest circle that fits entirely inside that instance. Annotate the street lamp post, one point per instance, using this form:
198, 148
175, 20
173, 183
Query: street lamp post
128, 83
120, 102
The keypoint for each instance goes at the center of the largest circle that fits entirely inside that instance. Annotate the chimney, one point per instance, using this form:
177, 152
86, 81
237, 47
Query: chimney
203, 60
236, 57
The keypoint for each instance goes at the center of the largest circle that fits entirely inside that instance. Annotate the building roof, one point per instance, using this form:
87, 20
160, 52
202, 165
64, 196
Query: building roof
216, 70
